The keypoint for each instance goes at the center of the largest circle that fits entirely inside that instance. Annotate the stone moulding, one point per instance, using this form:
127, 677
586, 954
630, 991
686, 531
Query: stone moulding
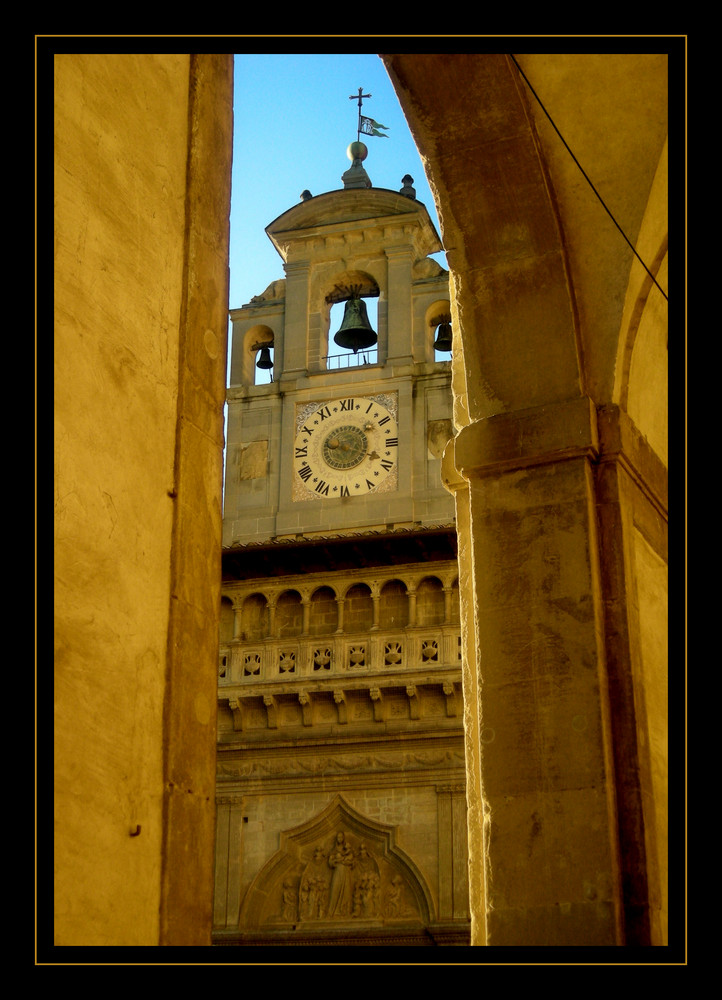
338, 871
324, 704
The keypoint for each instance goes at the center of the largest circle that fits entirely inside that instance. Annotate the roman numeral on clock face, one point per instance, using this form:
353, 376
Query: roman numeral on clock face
346, 404
305, 472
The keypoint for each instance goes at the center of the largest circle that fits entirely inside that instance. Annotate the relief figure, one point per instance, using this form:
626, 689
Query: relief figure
341, 860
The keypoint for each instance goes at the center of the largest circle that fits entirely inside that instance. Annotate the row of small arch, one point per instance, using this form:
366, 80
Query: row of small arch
328, 609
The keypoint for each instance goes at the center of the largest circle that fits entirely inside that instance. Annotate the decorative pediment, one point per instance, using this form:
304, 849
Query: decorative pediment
345, 210
339, 870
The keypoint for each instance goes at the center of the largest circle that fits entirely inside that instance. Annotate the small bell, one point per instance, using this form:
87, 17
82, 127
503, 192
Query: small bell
356, 331
443, 338
264, 358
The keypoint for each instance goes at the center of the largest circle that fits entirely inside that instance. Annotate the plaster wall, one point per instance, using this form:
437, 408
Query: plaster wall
138, 478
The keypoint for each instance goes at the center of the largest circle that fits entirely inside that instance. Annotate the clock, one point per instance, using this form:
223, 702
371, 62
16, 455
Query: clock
345, 448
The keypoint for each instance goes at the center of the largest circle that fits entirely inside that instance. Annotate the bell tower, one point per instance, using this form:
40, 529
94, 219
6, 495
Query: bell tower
340, 716
369, 249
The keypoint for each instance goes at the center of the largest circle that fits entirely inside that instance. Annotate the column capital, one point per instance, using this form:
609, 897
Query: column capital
522, 438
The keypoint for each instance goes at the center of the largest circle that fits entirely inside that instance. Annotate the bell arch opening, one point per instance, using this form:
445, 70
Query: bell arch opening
350, 321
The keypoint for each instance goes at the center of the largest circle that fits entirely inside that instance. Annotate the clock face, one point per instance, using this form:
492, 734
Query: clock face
345, 448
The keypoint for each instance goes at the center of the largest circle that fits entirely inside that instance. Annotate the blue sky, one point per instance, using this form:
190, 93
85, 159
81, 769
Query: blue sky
293, 121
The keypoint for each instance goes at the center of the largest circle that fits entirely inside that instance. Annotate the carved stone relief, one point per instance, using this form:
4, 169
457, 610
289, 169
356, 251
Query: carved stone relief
343, 869
341, 882
340, 763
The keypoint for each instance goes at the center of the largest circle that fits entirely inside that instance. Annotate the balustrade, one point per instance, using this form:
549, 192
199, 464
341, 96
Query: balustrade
274, 659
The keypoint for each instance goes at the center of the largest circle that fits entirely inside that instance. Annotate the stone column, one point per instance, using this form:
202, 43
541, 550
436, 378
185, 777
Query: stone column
272, 618
541, 761
339, 605
451, 820
632, 502
447, 605
412, 607
229, 831
295, 357
306, 608
376, 598
400, 317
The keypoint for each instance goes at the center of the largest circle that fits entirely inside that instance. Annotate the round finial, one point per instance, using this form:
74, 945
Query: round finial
305, 195
357, 151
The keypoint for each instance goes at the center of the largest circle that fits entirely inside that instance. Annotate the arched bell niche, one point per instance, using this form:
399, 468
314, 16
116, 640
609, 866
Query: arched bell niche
342, 289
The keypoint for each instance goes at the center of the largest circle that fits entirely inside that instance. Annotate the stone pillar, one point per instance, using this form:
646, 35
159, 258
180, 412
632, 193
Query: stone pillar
229, 831
451, 813
541, 754
306, 608
295, 358
400, 263
632, 515
376, 598
412, 607
447, 604
272, 618
339, 605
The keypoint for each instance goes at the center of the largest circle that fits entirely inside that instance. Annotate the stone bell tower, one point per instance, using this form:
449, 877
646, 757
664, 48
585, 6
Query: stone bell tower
357, 243
341, 803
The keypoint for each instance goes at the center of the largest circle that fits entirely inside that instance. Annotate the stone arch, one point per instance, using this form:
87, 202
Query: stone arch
296, 888
336, 290
358, 608
544, 361
430, 607
394, 605
515, 300
254, 617
323, 614
437, 313
257, 336
641, 371
289, 614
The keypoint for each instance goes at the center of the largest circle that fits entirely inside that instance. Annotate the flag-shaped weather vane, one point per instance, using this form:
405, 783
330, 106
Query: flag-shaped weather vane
366, 126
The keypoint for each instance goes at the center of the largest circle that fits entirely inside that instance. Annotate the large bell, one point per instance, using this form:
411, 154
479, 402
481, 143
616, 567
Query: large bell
355, 332
443, 338
264, 358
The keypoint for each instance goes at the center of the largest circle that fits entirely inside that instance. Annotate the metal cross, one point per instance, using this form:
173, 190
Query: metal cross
359, 96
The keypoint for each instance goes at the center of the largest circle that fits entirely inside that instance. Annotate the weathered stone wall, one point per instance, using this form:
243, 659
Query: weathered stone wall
368, 714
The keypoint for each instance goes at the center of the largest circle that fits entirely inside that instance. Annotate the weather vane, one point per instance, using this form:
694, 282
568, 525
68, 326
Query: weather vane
367, 126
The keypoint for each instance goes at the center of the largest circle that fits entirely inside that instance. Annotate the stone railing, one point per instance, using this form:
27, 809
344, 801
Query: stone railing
313, 657
363, 678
